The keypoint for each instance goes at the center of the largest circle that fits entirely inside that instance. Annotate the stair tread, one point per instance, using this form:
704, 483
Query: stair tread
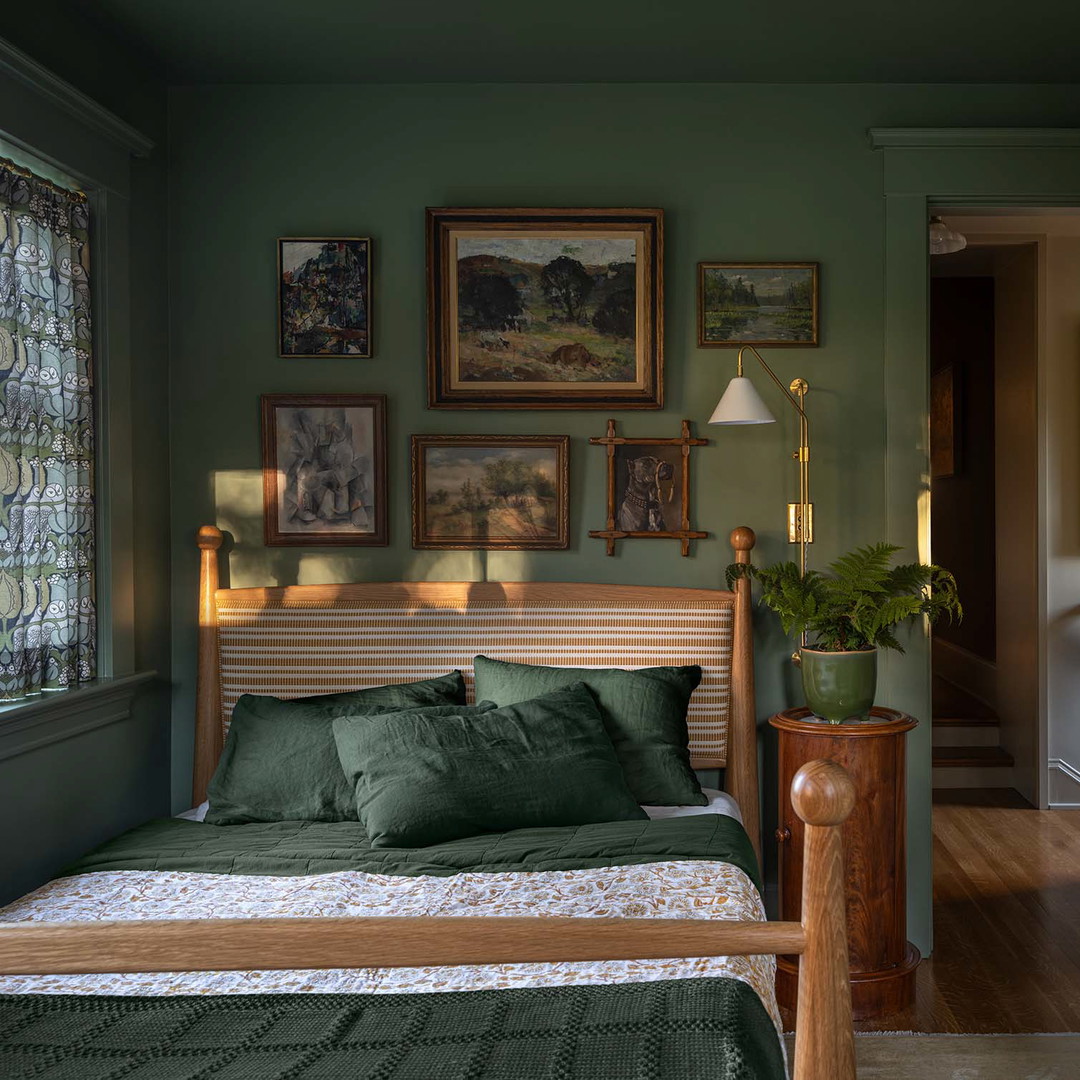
971, 755
967, 721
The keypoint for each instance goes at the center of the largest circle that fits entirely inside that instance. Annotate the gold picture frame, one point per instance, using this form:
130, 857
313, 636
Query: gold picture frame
731, 312
545, 308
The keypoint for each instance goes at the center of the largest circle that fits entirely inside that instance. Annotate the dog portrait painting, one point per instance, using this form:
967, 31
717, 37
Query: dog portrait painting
648, 482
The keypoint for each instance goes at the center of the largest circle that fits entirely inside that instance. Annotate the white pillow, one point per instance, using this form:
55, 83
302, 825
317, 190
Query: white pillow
195, 814
719, 803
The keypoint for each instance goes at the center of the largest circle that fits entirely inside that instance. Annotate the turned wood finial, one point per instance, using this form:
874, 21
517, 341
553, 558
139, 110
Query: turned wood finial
743, 539
823, 793
209, 538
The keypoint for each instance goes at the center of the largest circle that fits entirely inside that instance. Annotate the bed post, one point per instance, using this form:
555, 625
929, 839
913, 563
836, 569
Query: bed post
741, 780
208, 680
823, 795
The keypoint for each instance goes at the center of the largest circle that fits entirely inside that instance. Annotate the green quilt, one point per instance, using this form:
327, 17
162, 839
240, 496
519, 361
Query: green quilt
315, 847
675, 1029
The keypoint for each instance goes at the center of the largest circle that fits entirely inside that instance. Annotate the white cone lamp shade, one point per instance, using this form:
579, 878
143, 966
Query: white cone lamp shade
741, 404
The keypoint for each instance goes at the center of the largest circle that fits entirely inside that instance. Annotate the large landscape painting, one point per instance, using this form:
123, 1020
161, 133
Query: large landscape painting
557, 312
325, 297
757, 304
490, 491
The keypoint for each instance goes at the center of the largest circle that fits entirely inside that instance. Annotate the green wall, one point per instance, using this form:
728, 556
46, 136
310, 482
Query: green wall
742, 172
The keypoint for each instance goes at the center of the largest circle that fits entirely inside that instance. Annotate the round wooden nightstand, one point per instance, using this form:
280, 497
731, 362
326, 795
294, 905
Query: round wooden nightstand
883, 961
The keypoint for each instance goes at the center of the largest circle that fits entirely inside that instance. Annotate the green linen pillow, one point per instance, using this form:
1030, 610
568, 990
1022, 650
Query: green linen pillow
644, 712
422, 779
279, 762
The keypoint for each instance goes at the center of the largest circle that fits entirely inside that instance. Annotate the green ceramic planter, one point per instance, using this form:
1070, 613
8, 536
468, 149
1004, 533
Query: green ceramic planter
839, 685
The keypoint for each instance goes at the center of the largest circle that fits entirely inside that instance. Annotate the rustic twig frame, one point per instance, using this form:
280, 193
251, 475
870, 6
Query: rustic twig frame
636, 505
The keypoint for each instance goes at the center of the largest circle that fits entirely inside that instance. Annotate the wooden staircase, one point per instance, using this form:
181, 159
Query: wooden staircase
967, 751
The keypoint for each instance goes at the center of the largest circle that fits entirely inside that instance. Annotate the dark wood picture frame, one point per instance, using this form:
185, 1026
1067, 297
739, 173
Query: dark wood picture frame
346, 333
635, 500
779, 338
946, 416
520, 504
525, 329
328, 487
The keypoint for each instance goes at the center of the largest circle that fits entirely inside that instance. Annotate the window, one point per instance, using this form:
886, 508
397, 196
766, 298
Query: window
47, 609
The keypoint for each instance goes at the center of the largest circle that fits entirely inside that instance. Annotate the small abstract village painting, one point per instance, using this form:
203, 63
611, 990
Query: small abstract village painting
545, 308
757, 304
324, 300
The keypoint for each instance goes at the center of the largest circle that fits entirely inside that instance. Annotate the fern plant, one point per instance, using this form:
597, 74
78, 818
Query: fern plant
860, 603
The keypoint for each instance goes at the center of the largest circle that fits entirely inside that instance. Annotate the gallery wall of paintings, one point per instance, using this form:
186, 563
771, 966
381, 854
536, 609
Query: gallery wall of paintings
536, 309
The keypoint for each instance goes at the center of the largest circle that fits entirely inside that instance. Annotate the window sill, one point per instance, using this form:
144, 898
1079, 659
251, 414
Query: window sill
61, 714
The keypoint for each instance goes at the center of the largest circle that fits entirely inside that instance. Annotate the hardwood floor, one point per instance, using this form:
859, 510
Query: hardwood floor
1006, 920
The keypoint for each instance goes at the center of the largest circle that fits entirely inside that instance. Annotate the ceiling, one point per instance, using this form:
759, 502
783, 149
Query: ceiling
332, 41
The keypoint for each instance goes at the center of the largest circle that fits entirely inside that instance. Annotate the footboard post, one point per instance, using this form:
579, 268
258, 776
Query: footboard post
741, 780
823, 795
208, 738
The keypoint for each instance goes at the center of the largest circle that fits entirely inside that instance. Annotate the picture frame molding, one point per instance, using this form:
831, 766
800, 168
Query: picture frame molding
272, 536
815, 311
369, 299
421, 443
440, 225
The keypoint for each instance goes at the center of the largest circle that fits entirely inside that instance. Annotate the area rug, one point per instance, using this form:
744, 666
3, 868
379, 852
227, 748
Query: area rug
966, 1057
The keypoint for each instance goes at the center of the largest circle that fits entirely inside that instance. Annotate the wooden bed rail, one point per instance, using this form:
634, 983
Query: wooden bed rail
823, 795
133, 945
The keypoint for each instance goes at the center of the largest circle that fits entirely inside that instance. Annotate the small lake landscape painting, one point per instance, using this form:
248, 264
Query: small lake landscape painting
757, 304
324, 298
544, 308
490, 491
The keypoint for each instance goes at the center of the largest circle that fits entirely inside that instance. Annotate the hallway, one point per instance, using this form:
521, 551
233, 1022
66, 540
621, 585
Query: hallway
1006, 919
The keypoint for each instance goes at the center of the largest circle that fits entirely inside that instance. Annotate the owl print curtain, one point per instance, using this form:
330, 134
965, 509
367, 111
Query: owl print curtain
47, 621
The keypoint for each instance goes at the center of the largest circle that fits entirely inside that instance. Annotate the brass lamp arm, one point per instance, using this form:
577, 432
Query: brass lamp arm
772, 375
801, 514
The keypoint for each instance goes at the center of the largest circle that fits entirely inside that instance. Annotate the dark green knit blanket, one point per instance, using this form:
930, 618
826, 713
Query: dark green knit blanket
684, 1029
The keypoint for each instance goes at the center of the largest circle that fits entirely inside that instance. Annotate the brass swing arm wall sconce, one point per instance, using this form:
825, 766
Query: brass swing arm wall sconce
741, 404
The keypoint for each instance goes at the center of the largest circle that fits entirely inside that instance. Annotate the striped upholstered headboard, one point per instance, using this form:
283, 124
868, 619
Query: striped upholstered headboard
298, 640
288, 646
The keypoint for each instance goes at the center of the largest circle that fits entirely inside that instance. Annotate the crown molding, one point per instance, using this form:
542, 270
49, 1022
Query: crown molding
19, 65
968, 138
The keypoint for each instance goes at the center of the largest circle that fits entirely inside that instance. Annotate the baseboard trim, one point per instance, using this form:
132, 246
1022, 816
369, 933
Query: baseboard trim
1065, 775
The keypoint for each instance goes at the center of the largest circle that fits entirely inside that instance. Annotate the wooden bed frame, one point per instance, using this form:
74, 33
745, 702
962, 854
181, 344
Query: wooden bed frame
249, 624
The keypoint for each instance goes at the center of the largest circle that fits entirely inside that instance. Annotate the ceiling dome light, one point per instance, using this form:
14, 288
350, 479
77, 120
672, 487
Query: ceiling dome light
943, 240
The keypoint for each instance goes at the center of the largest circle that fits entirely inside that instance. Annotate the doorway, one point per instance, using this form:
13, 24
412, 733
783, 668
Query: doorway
985, 525
1004, 393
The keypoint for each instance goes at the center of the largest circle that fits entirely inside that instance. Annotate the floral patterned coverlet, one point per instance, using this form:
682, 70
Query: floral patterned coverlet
688, 889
